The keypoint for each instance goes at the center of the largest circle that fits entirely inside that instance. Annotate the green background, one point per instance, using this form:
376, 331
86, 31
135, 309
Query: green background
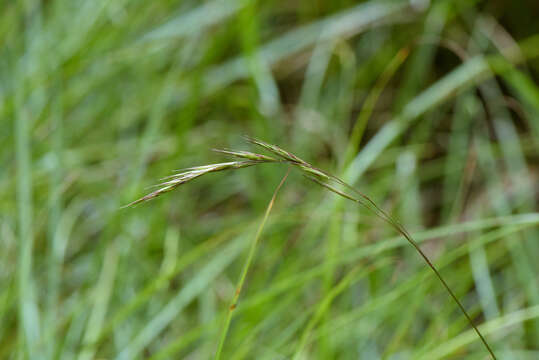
429, 107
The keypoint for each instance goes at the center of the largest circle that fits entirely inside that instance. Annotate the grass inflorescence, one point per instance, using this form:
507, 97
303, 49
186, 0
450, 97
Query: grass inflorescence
320, 177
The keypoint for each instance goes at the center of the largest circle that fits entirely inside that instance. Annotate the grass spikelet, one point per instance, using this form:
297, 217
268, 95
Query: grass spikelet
275, 150
191, 174
246, 155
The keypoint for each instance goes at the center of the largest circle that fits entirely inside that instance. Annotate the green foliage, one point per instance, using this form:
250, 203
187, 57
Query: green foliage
429, 107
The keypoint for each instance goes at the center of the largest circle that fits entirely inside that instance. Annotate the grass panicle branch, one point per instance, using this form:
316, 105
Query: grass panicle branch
313, 173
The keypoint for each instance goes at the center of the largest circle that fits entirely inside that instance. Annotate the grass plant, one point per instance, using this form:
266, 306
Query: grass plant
429, 107
318, 176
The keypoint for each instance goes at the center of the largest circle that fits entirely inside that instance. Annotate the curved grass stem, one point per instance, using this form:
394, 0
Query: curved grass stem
401, 230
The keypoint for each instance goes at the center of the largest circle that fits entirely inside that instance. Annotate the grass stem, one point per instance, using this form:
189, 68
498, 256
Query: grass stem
246, 265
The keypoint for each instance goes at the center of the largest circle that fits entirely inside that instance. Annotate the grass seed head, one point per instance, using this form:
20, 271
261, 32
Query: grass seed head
193, 173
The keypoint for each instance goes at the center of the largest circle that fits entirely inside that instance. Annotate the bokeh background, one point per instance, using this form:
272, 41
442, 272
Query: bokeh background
429, 107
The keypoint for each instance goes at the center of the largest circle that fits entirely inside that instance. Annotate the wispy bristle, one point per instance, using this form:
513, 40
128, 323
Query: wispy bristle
275, 150
246, 155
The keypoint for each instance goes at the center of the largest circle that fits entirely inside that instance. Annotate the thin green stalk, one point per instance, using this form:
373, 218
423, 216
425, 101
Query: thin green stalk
55, 205
245, 269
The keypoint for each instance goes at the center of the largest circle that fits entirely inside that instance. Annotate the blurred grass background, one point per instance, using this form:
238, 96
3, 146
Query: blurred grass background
429, 107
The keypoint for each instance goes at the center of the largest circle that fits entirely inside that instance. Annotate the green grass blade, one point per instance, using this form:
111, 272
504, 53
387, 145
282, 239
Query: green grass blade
28, 312
101, 297
189, 292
